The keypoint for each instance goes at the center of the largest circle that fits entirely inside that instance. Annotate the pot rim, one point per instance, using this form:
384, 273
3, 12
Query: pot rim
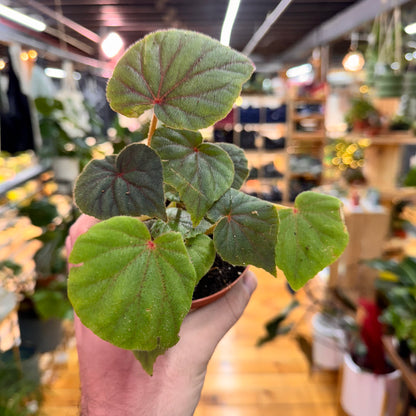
198, 303
349, 362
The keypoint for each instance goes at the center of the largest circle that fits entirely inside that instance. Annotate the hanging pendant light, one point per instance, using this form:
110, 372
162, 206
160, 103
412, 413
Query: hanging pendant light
354, 60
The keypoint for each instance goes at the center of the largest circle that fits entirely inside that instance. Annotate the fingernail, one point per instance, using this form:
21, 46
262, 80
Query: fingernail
250, 282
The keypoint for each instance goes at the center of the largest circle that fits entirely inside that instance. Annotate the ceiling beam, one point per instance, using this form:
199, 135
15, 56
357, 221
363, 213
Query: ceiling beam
64, 20
10, 35
265, 26
341, 24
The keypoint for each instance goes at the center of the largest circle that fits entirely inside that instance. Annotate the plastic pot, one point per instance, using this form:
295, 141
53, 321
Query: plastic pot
364, 393
329, 341
198, 303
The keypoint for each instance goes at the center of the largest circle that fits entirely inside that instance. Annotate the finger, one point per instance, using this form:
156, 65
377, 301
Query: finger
80, 226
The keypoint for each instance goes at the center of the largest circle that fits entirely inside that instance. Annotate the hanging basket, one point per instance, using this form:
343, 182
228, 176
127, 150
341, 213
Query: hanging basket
409, 83
389, 84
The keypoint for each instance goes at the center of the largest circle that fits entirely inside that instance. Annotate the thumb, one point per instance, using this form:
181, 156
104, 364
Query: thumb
80, 226
213, 321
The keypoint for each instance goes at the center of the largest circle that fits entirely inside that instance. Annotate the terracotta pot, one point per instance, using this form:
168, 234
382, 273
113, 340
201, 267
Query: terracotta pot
198, 303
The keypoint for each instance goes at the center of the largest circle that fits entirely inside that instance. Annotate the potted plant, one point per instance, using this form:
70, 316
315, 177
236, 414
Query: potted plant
63, 139
363, 116
330, 326
369, 385
42, 311
171, 212
396, 286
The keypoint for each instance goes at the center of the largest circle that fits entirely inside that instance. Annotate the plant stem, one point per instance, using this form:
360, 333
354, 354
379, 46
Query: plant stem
152, 129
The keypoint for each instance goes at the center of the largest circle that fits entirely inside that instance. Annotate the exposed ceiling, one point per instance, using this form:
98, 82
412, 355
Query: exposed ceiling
132, 19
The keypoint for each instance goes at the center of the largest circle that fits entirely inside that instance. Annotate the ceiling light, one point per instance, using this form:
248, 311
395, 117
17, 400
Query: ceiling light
353, 61
60, 73
112, 44
300, 70
410, 29
21, 18
229, 19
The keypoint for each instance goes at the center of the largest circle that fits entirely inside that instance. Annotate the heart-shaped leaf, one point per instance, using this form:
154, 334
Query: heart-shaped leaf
239, 159
190, 79
130, 183
202, 253
247, 230
128, 289
311, 236
200, 172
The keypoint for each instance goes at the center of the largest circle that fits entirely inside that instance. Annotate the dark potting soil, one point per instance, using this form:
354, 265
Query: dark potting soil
220, 275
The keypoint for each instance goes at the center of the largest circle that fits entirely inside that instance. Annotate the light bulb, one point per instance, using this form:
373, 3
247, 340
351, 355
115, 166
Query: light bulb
353, 61
112, 44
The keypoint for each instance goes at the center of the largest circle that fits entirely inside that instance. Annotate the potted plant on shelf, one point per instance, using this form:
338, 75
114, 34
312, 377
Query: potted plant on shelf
42, 311
362, 117
171, 213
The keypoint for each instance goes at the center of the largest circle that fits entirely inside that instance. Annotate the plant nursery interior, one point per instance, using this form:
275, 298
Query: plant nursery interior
329, 108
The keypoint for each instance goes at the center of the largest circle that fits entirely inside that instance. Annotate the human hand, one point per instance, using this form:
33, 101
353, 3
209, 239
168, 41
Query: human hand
113, 381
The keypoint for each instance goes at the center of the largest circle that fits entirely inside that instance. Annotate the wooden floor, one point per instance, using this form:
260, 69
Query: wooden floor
242, 379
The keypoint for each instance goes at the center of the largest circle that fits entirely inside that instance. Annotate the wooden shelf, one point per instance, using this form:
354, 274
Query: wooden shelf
398, 138
408, 375
316, 135
313, 116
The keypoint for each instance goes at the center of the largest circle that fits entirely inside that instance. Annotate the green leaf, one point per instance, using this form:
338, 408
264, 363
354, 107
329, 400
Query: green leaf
130, 183
275, 327
202, 253
200, 172
41, 213
239, 159
311, 236
51, 303
128, 289
148, 358
180, 220
246, 231
190, 79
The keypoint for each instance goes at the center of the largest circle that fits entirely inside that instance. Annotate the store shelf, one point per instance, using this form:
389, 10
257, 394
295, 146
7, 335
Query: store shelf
304, 112
22, 177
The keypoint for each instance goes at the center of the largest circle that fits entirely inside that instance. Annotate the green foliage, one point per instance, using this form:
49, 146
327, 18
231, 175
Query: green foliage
189, 79
123, 136
168, 209
52, 301
361, 109
310, 237
276, 327
57, 130
396, 287
16, 390
50, 298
